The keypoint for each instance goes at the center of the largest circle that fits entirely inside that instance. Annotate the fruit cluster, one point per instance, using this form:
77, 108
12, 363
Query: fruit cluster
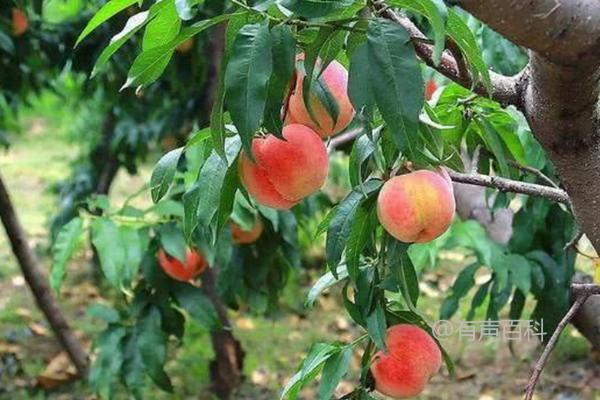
414, 207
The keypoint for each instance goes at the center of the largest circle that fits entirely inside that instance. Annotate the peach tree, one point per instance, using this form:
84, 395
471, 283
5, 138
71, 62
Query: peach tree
301, 78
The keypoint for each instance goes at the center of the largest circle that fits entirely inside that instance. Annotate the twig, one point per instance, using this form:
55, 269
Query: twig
581, 292
342, 139
534, 171
508, 185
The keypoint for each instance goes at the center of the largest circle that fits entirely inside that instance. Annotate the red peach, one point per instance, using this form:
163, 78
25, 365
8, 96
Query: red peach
430, 89
241, 236
195, 264
416, 207
287, 170
413, 358
335, 80
20, 23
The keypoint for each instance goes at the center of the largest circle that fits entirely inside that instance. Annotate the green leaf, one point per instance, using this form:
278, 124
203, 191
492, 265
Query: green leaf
316, 8
106, 240
465, 40
317, 356
284, 62
396, 82
363, 227
107, 11
62, 250
134, 24
152, 346
150, 64
212, 177
437, 13
104, 313
400, 263
334, 370
163, 28
362, 149
359, 85
246, 79
520, 271
376, 327
196, 304
163, 174
494, 144
231, 182
323, 283
107, 366
463, 283
341, 223
173, 241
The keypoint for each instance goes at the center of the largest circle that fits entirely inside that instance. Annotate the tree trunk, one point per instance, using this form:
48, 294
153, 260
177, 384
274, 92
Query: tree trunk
227, 367
38, 283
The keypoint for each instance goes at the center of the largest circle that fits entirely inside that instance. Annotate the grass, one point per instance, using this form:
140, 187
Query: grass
40, 158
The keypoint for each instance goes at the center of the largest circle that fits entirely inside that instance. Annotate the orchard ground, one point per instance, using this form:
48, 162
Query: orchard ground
30, 360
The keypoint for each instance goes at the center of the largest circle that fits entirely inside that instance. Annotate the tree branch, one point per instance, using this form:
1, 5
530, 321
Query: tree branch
506, 90
581, 292
508, 185
38, 283
564, 31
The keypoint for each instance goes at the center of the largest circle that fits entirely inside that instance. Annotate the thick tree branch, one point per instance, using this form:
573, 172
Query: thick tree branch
505, 90
508, 185
564, 31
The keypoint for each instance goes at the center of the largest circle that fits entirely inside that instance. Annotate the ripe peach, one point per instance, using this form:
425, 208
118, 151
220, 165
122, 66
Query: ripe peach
195, 264
241, 236
335, 80
20, 23
287, 170
413, 358
416, 207
430, 89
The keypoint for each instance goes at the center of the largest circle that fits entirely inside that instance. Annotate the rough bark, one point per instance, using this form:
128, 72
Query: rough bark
38, 283
227, 367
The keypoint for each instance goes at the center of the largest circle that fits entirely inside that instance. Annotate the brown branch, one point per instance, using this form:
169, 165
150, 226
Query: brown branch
38, 283
505, 90
581, 292
508, 185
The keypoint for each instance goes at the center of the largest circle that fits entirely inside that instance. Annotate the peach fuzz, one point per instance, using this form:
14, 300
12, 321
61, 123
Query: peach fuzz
335, 79
287, 170
413, 358
241, 236
416, 207
195, 264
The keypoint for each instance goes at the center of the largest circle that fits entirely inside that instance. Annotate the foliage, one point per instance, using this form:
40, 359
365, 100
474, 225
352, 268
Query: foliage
197, 192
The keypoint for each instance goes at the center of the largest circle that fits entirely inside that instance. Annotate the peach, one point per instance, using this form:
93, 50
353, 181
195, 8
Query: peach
287, 170
241, 236
195, 264
20, 23
416, 207
430, 88
335, 80
413, 358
